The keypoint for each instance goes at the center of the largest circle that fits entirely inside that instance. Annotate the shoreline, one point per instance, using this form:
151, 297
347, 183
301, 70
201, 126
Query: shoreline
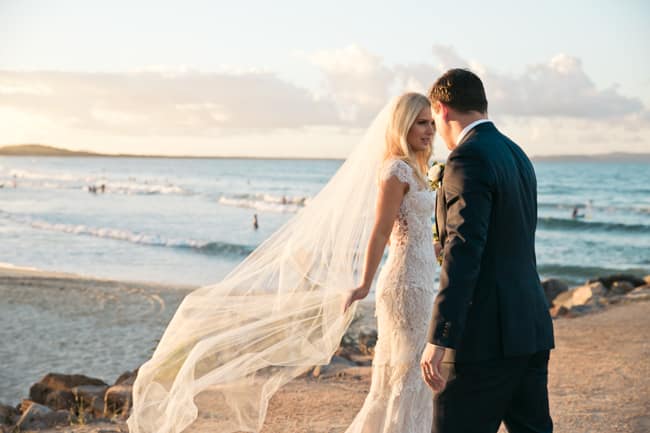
14, 271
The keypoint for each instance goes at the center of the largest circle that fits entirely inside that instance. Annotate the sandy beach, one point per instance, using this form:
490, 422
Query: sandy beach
599, 372
599, 381
66, 323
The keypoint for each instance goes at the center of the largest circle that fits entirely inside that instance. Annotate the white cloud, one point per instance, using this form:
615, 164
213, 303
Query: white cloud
162, 102
356, 79
558, 88
550, 107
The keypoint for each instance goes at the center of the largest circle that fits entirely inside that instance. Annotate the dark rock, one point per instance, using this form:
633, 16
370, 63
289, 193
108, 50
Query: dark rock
580, 310
620, 288
55, 390
69, 381
24, 405
610, 279
36, 416
347, 352
588, 294
361, 360
60, 399
579, 300
552, 288
127, 378
90, 399
563, 299
367, 340
8, 414
558, 311
641, 293
348, 341
118, 400
38, 392
615, 299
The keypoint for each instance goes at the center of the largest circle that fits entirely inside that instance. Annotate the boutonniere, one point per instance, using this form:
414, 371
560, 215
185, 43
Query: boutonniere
435, 174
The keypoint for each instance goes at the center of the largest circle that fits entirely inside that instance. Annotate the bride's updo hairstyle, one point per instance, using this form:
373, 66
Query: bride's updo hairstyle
406, 110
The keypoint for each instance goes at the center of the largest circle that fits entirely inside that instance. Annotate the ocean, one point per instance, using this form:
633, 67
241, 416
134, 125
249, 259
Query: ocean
190, 221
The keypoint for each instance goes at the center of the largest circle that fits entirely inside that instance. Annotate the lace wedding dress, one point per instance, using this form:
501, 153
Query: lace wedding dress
231, 345
399, 401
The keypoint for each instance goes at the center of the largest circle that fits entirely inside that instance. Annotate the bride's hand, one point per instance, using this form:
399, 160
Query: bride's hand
354, 295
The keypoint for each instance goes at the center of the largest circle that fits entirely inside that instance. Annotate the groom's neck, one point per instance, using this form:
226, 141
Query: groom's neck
462, 120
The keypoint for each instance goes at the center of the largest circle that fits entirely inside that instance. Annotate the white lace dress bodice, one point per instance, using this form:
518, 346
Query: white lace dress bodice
411, 258
399, 401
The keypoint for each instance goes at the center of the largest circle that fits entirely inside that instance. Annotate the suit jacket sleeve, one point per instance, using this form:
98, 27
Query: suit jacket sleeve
468, 202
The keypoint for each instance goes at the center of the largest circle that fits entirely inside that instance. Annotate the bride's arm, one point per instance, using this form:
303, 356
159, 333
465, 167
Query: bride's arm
390, 195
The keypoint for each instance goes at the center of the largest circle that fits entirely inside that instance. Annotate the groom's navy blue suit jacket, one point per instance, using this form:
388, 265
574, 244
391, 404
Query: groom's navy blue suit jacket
490, 302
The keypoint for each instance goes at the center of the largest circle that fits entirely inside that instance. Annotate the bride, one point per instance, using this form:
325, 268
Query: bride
232, 345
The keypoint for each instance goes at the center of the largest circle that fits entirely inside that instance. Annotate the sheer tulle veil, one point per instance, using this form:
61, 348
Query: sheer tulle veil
231, 345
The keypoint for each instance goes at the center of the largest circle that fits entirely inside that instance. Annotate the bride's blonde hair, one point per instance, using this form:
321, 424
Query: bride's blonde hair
405, 112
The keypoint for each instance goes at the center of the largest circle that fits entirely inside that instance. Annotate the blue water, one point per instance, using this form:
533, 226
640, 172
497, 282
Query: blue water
189, 221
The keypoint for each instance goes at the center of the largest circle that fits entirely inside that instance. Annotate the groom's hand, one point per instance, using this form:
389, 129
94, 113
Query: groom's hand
430, 364
437, 246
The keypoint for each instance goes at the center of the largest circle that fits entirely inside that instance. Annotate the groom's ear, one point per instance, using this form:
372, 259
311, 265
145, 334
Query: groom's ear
443, 110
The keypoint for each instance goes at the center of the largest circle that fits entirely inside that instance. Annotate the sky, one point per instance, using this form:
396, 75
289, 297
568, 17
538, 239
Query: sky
304, 79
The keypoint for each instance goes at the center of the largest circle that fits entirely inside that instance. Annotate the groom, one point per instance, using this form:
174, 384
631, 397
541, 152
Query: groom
491, 333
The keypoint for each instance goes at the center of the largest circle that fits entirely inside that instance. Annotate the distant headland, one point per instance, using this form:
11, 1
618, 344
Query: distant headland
43, 150
40, 150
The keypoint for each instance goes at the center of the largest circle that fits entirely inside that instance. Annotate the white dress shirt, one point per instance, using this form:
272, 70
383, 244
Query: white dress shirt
468, 128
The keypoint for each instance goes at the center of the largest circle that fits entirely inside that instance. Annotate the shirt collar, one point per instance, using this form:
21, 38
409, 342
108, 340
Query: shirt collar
468, 128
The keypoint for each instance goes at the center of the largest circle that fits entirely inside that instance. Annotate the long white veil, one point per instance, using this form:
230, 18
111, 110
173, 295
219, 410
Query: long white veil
231, 345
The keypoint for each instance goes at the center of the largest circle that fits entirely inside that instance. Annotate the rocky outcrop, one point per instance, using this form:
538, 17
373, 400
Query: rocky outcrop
54, 390
598, 293
127, 378
62, 399
367, 340
8, 415
609, 280
641, 293
37, 416
90, 399
553, 288
118, 400
620, 288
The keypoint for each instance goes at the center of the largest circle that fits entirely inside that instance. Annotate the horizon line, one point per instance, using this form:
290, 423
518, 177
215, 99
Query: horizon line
86, 153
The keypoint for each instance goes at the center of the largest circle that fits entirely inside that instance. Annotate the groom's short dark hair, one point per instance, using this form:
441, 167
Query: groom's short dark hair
461, 90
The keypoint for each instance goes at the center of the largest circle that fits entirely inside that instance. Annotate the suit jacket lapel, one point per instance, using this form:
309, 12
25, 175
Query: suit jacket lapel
441, 208
440, 213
